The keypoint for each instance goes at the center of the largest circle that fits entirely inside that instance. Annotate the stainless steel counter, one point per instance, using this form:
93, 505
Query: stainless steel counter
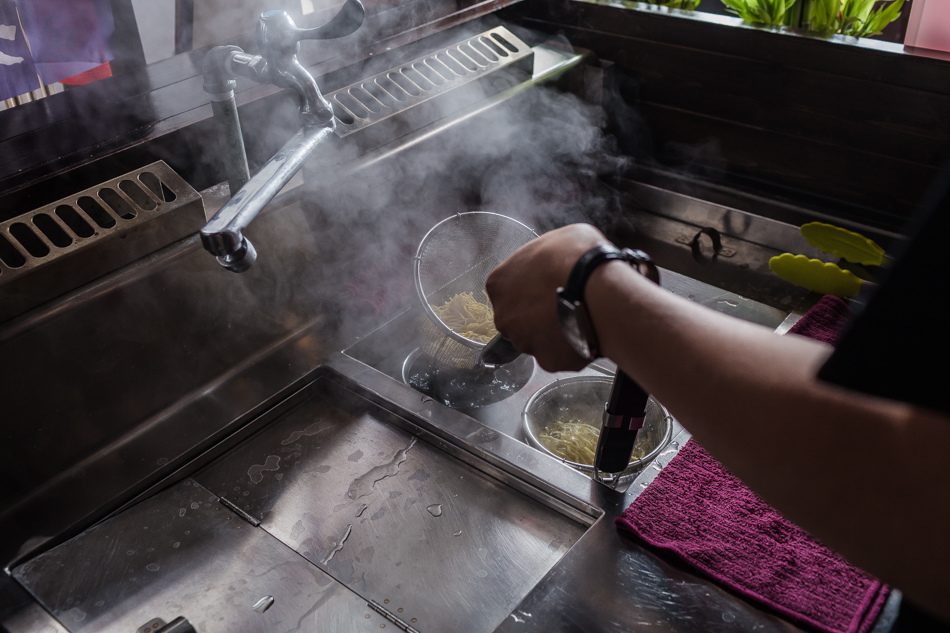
191, 442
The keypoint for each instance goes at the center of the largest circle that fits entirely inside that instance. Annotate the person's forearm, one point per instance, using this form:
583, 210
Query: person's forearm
821, 455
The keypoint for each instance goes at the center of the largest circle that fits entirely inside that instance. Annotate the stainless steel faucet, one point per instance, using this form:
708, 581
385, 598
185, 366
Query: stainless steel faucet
279, 40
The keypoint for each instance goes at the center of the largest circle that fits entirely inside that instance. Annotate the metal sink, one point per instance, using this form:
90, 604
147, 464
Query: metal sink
338, 509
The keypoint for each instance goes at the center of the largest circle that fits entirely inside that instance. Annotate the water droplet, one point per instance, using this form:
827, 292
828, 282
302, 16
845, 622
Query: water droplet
100, 603
152, 567
386, 601
459, 533
181, 512
482, 552
435, 509
365, 483
187, 531
399, 610
161, 461
263, 604
728, 617
482, 573
256, 472
176, 544
130, 552
338, 545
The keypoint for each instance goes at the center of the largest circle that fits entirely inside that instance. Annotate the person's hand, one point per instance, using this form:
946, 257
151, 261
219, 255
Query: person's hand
523, 292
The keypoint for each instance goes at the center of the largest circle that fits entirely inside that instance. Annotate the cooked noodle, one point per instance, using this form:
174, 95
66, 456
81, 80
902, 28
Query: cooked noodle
468, 316
576, 441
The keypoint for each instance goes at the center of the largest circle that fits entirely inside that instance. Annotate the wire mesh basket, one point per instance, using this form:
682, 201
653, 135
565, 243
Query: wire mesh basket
453, 260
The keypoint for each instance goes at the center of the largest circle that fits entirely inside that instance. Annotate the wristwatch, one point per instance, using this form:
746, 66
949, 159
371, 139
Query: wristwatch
572, 312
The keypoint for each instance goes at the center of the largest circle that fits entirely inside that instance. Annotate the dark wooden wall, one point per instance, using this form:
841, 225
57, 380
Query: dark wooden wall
852, 129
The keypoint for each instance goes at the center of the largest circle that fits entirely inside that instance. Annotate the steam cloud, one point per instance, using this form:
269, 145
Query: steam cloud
538, 159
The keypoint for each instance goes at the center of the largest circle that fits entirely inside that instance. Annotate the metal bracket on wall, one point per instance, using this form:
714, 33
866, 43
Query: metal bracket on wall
56, 248
400, 88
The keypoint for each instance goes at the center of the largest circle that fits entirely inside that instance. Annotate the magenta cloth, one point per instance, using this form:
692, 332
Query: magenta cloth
698, 511
825, 321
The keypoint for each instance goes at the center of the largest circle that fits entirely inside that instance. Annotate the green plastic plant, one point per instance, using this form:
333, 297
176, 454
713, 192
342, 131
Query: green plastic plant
859, 18
770, 12
686, 5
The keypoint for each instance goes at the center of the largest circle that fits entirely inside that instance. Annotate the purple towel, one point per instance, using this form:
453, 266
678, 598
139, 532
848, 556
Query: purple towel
825, 321
709, 519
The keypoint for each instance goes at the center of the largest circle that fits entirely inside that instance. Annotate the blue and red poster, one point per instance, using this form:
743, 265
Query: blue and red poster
17, 72
67, 37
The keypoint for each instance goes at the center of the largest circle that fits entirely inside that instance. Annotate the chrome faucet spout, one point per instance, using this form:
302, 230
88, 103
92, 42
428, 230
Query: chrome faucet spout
223, 235
279, 40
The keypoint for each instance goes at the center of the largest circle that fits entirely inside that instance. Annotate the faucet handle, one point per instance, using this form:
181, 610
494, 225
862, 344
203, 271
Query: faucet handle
277, 33
348, 20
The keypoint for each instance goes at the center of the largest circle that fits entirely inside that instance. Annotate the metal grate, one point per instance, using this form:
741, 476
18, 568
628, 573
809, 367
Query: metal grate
400, 88
56, 248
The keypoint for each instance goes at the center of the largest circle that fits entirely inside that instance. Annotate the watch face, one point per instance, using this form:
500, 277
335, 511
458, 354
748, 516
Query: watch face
567, 312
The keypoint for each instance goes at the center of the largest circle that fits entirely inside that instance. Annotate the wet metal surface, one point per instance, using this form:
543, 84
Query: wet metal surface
428, 537
181, 553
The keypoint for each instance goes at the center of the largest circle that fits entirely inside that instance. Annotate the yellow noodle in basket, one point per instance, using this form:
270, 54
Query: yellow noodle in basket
576, 441
466, 315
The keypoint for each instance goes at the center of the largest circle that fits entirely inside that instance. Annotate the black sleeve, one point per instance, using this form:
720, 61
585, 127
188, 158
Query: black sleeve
898, 346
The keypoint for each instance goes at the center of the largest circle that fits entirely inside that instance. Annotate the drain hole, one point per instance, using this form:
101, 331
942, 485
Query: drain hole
52, 230
495, 48
404, 83
9, 255
341, 113
122, 208
453, 65
433, 77
473, 54
459, 57
501, 40
414, 76
95, 211
440, 68
379, 94
365, 99
167, 194
138, 196
391, 89
33, 244
74, 221
157, 187
484, 50
151, 181
352, 105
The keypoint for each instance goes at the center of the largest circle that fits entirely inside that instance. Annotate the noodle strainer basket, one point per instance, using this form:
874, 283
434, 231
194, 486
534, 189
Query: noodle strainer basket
581, 399
456, 256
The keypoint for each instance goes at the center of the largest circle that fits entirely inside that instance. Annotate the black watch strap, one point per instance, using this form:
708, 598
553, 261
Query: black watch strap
577, 280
